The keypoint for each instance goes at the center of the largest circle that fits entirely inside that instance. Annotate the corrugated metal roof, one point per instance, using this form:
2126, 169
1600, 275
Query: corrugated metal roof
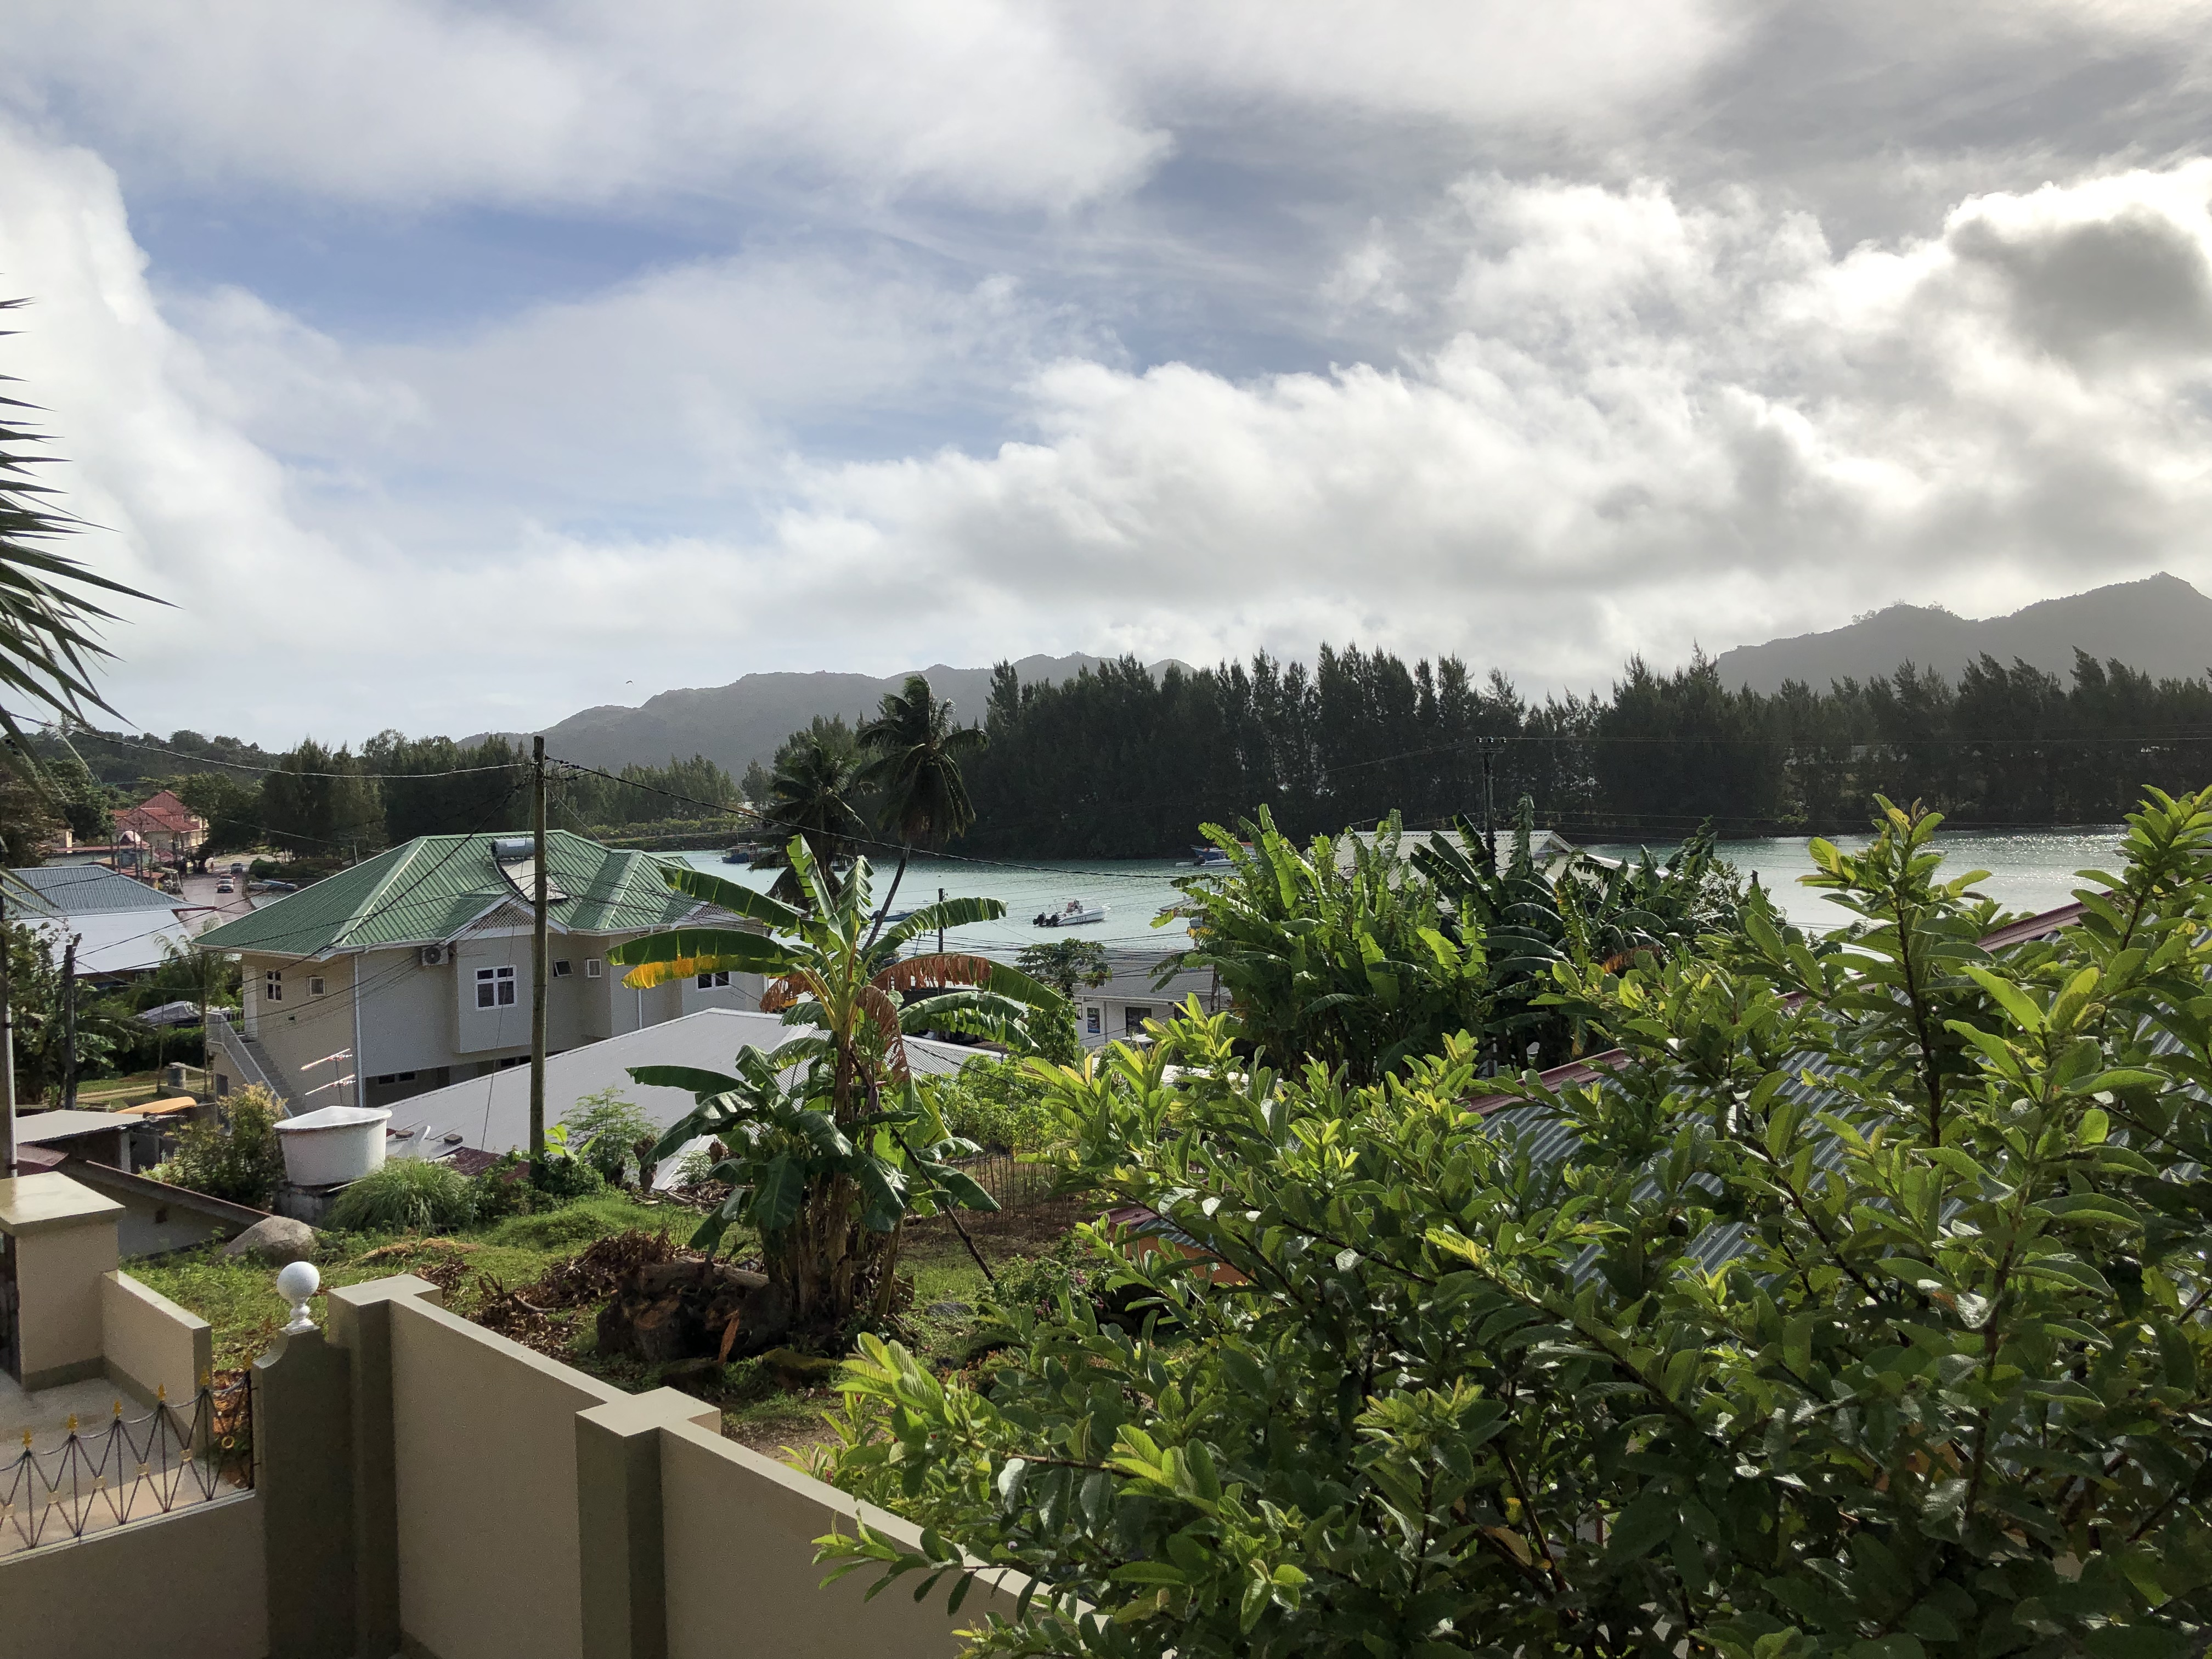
433, 888
79, 889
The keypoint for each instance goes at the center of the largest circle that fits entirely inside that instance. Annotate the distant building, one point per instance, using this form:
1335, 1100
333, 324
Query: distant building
414, 965
119, 922
1119, 1008
169, 831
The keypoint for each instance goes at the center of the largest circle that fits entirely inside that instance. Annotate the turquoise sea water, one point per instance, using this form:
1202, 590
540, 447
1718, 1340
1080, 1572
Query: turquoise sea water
2028, 871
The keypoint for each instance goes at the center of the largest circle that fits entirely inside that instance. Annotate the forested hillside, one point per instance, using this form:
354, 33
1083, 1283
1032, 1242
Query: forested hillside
1114, 764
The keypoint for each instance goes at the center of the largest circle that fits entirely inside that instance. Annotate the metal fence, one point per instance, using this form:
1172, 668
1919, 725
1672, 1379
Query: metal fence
1017, 1185
130, 1469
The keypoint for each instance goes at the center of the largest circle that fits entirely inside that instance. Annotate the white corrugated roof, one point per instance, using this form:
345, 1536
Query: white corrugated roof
493, 1112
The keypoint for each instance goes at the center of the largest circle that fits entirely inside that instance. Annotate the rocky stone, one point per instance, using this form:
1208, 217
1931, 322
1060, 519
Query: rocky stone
948, 1310
278, 1241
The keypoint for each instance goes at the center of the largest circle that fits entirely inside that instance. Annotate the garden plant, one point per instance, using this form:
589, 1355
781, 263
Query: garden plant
1861, 1309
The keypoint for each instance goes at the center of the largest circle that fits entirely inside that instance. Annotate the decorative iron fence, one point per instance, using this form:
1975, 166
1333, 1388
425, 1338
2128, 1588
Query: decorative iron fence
128, 1469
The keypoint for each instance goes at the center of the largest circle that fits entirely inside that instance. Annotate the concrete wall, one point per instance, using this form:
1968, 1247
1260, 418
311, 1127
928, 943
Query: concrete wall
58, 1264
489, 1554
739, 1531
150, 1344
190, 1585
501, 1503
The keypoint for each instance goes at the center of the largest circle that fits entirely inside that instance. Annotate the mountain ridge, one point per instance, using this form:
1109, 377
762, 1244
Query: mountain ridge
2159, 624
744, 720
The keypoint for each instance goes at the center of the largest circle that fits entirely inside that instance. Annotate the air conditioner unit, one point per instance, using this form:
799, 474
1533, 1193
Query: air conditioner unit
433, 955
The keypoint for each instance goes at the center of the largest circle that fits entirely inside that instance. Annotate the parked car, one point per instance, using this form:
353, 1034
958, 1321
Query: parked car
272, 887
237, 869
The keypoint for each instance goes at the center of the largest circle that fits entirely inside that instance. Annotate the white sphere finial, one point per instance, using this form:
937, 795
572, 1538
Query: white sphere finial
295, 1284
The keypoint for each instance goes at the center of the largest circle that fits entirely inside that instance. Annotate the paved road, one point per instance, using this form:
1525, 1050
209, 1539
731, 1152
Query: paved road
200, 890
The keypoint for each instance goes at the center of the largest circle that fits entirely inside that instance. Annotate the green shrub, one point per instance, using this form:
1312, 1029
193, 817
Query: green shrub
1859, 1310
1036, 1283
994, 1103
605, 1130
572, 1224
236, 1155
407, 1196
505, 1189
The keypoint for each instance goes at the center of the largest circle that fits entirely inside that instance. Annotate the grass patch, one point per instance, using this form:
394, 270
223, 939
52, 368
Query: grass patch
238, 1298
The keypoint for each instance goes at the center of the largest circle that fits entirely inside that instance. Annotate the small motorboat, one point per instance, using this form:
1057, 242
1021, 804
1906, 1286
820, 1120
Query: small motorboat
1213, 858
1073, 913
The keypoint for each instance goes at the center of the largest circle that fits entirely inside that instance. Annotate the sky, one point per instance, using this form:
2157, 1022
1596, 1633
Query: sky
454, 366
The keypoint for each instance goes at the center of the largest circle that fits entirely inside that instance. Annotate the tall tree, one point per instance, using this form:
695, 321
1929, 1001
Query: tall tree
828, 1175
914, 752
811, 797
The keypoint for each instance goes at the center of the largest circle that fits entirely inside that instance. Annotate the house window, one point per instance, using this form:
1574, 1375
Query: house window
514, 1061
1094, 1012
315, 986
713, 981
592, 968
1132, 1019
561, 971
272, 986
395, 1077
494, 987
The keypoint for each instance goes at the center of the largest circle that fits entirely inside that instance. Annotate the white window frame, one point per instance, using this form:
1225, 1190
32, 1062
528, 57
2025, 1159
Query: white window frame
494, 987
594, 968
561, 969
1097, 1020
714, 982
272, 985
315, 985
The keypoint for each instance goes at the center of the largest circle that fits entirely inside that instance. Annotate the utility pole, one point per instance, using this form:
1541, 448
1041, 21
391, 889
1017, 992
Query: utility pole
1489, 809
538, 956
68, 1025
7, 1053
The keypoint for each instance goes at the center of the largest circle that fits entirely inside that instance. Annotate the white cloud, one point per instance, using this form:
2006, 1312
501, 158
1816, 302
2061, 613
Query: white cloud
420, 103
1618, 417
1642, 422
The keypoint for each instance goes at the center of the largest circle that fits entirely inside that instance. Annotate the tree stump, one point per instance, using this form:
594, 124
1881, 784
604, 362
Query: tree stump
673, 1310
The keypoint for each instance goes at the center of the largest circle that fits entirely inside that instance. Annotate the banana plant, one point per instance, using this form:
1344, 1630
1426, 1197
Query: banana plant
779, 1145
835, 1211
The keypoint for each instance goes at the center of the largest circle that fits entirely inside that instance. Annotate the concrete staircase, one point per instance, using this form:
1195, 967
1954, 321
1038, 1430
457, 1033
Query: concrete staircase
252, 1062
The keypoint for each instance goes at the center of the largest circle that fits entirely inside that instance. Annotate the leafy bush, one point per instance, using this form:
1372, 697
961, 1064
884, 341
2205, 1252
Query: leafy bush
236, 1156
571, 1224
504, 1188
994, 1103
1864, 1309
605, 1129
407, 1196
1336, 953
1036, 1284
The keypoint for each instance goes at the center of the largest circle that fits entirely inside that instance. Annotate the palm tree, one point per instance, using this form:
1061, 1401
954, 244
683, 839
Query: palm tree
811, 797
829, 1189
47, 614
914, 753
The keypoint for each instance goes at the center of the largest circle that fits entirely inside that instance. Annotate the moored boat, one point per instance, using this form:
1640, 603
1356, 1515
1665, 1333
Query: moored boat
1073, 913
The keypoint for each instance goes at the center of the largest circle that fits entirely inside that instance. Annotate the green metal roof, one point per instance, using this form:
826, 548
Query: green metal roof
432, 887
